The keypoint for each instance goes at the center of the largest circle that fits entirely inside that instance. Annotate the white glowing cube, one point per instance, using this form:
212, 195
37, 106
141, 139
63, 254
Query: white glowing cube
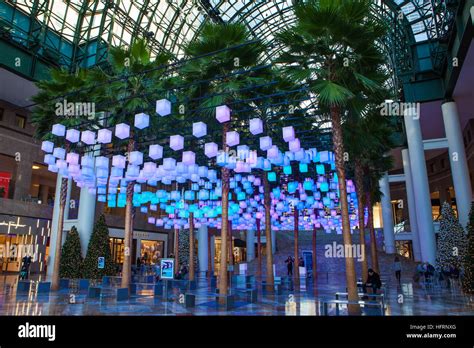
47, 146
155, 151
163, 107
199, 129
256, 126
59, 152
136, 158
88, 137
232, 138
102, 162
288, 133
189, 157
122, 130
52, 168
176, 142
59, 130
149, 168
104, 136
87, 161
169, 164
300, 155
72, 158
132, 172
223, 113
243, 152
119, 161
211, 149
203, 171
142, 120
272, 152
72, 135
181, 168
265, 143
294, 145
49, 159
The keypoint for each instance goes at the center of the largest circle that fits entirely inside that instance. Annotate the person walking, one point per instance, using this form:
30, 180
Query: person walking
397, 267
289, 261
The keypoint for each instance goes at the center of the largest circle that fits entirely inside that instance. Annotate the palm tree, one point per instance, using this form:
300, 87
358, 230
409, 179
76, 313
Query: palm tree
223, 61
134, 83
62, 86
330, 48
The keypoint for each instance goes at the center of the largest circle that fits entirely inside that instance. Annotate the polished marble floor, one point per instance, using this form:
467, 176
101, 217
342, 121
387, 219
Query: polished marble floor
408, 299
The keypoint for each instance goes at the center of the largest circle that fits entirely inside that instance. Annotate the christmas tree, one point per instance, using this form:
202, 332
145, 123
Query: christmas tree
183, 249
468, 279
452, 241
99, 247
71, 258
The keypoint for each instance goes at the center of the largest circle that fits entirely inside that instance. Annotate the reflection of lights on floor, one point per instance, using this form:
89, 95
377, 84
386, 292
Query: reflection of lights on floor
308, 307
290, 307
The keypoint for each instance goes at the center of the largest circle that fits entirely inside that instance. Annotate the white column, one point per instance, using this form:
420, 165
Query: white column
203, 251
85, 218
424, 217
250, 245
54, 222
273, 241
457, 159
415, 239
387, 215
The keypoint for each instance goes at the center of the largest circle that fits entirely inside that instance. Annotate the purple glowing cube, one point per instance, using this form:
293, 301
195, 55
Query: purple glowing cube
72, 158
232, 138
122, 131
211, 150
59, 152
59, 130
104, 136
199, 129
119, 161
155, 151
47, 146
142, 120
72, 135
136, 158
169, 164
288, 133
256, 126
189, 158
163, 107
176, 142
265, 143
87, 161
294, 145
272, 152
102, 162
223, 113
88, 137
49, 159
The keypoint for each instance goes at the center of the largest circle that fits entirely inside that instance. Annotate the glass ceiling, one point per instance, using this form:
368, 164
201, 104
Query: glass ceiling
169, 23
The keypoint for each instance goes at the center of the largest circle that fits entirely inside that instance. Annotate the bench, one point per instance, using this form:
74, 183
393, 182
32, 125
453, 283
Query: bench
134, 287
23, 286
347, 302
379, 297
43, 287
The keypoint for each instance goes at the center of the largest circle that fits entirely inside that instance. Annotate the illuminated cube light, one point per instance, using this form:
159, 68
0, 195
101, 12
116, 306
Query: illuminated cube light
72, 135
47, 146
149, 168
203, 171
155, 151
88, 137
176, 142
163, 107
272, 152
300, 155
52, 168
288, 133
223, 113
72, 158
59, 152
132, 172
320, 169
102, 162
136, 158
189, 158
122, 131
287, 170
256, 126
294, 145
119, 161
199, 129
142, 120
211, 150
272, 176
49, 159
59, 130
104, 136
303, 168
324, 157
232, 138
169, 164
265, 143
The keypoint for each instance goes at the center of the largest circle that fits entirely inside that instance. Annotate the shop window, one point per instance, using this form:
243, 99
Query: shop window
117, 250
151, 251
20, 121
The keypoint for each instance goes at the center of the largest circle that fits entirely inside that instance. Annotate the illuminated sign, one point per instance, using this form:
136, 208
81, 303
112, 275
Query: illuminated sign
167, 268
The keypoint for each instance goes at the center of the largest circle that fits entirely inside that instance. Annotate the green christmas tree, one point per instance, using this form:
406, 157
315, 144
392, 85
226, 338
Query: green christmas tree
183, 249
71, 258
98, 247
452, 241
468, 279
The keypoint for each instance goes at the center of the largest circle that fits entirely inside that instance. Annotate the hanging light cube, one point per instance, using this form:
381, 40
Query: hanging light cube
136, 158
49, 159
288, 133
47, 146
176, 142
223, 113
59, 152
142, 120
272, 152
256, 126
189, 158
72, 135
88, 137
119, 161
211, 150
102, 162
155, 151
199, 129
169, 164
294, 145
163, 107
265, 143
122, 131
232, 138
59, 130
104, 136
272, 176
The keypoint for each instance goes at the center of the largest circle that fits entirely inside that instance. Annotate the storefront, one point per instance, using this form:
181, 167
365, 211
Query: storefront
239, 251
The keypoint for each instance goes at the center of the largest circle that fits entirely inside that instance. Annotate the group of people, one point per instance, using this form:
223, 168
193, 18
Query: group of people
428, 271
289, 264
25, 267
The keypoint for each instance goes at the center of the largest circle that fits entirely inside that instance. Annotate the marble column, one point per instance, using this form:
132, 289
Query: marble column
203, 251
387, 215
85, 218
250, 245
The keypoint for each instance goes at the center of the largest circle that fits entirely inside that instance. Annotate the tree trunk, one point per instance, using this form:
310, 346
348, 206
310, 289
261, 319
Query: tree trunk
127, 258
225, 173
268, 233
373, 241
191, 246
359, 181
209, 254
296, 233
259, 249
351, 277
57, 259
315, 263
176, 250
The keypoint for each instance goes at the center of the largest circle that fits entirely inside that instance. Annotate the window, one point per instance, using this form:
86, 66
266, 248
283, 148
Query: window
20, 121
